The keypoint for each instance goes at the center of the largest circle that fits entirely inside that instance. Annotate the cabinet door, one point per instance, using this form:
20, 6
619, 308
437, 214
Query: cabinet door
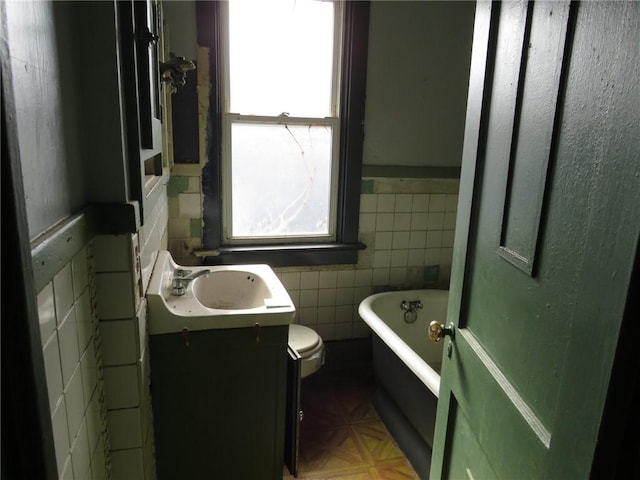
293, 412
147, 39
139, 30
219, 402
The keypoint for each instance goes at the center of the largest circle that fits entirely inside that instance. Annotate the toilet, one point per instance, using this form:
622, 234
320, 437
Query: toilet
309, 346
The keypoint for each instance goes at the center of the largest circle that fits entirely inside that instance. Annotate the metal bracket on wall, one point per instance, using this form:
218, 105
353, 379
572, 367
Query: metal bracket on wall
175, 71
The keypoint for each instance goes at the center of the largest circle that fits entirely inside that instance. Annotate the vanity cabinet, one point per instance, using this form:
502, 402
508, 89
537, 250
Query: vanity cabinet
219, 403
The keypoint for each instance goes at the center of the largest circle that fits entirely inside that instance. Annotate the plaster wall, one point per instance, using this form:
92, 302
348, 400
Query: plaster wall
52, 172
181, 21
417, 77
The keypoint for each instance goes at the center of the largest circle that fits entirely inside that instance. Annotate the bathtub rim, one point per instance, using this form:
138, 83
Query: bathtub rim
416, 364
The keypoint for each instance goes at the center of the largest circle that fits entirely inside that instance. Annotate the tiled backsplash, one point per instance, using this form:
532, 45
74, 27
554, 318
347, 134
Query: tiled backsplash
122, 320
185, 218
72, 346
123, 270
407, 224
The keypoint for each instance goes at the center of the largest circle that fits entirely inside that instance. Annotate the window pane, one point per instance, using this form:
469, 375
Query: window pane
281, 57
280, 180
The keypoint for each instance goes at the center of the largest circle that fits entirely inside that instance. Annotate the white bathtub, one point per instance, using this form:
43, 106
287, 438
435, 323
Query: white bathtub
407, 366
409, 341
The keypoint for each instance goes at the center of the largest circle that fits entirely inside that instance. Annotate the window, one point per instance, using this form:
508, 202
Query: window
280, 120
282, 182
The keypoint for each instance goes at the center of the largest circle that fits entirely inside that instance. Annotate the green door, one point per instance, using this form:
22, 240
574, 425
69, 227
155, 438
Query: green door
547, 234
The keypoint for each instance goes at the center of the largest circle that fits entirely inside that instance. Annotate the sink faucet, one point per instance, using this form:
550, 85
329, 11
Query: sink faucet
182, 278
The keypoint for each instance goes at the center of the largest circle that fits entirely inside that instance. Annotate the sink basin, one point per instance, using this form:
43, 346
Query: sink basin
230, 296
232, 289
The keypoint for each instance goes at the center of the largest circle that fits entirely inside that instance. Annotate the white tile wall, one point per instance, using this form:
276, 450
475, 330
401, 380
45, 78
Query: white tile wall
53, 370
74, 401
120, 344
105, 281
128, 464
113, 253
69, 351
190, 204
67, 471
70, 337
47, 312
80, 455
121, 384
115, 295
91, 372
123, 328
126, 427
60, 433
98, 460
85, 320
63, 292
407, 232
153, 237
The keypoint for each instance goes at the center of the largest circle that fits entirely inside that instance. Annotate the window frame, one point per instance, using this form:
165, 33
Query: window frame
228, 120
344, 248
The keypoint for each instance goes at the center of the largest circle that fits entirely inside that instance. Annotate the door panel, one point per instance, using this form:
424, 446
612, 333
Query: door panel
147, 58
503, 423
466, 459
530, 147
292, 415
524, 383
530, 305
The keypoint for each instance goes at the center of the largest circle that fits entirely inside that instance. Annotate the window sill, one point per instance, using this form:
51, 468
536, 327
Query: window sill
284, 255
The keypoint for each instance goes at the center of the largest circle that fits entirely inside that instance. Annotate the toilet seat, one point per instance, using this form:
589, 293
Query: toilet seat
302, 339
309, 346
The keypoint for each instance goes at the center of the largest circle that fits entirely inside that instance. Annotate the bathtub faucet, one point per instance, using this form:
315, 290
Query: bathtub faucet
182, 278
410, 306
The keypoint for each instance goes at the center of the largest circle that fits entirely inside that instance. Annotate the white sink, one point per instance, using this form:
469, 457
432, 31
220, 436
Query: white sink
229, 296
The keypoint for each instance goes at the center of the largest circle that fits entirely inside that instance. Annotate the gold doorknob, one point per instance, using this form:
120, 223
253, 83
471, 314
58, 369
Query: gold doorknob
437, 331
